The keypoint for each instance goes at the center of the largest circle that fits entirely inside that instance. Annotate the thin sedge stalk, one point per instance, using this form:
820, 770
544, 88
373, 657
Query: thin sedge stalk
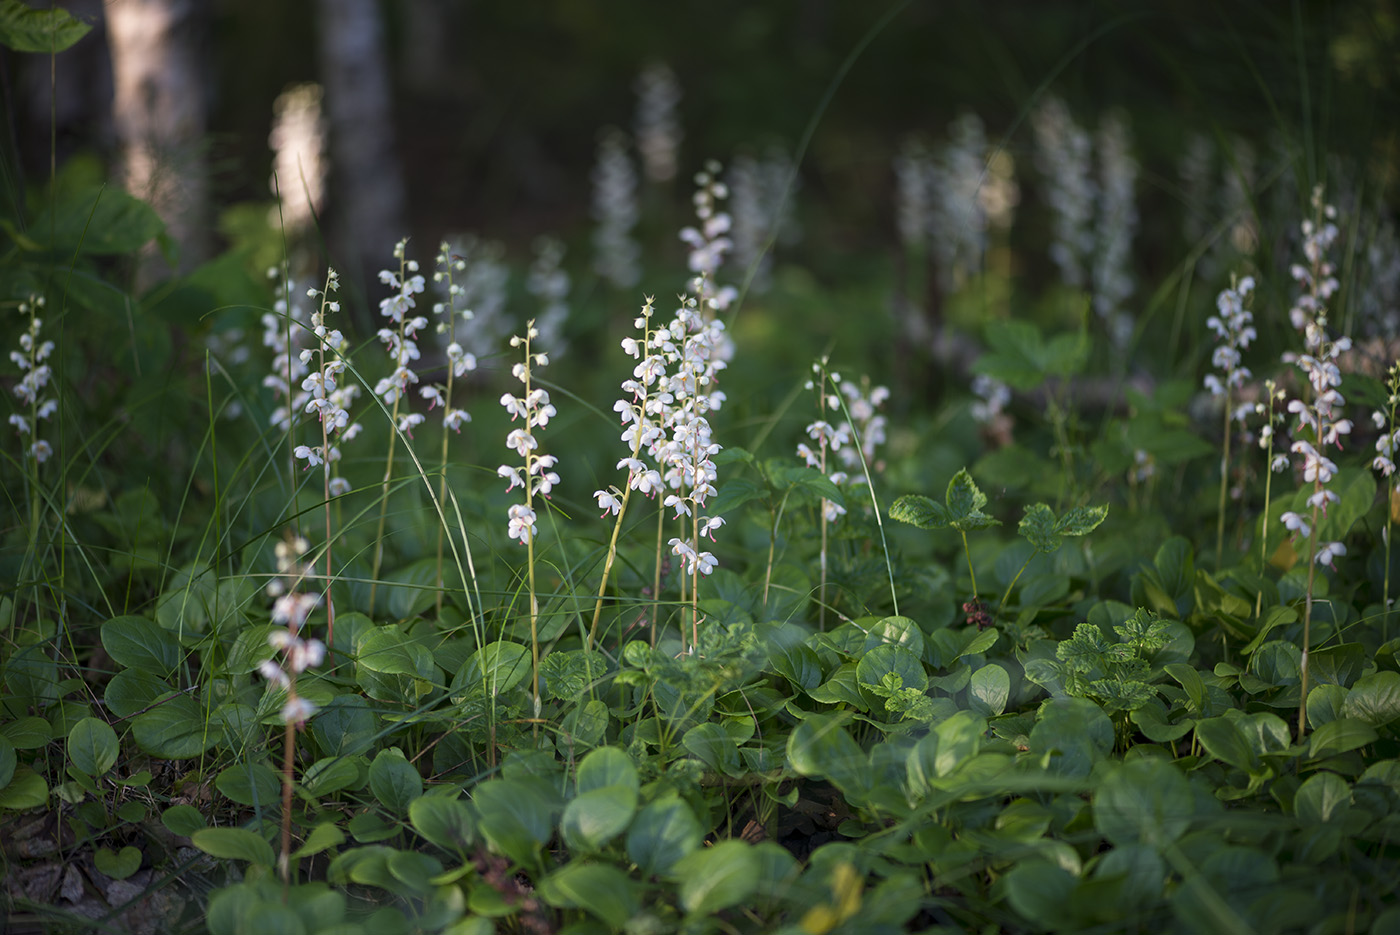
656, 578
1224, 487
1307, 624
289, 746
388, 461
447, 401
821, 507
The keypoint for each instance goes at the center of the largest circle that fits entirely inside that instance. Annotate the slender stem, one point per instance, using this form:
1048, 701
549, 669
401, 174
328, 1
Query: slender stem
972, 574
1307, 624
656, 580
289, 741
1224, 485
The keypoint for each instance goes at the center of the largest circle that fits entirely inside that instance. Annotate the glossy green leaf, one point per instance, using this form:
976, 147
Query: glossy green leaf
965, 501
607, 766
183, 820
516, 817
710, 744
1374, 699
117, 864
897, 631
799, 664
593, 818
329, 775
1324, 797
445, 822
718, 877
390, 666
1041, 892
175, 728
394, 781
26, 789
599, 889
1325, 703
891, 659
1223, 739
820, 747
250, 784
27, 733
662, 833
959, 740
139, 643
1144, 801
494, 669
92, 746
234, 844
323, 837
1340, 736
989, 690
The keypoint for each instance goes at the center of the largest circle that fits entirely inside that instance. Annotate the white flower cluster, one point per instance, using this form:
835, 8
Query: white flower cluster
401, 342
536, 474
459, 361
291, 608
1234, 328
657, 126
913, 201
1318, 278
484, 279
326, 396
709, 243
992, 397
958, 221
30, 358
285, 331
868, 429
1322, 424
761, 206
616, 255
548, 282
1389, 441
1064, 155
1117, 222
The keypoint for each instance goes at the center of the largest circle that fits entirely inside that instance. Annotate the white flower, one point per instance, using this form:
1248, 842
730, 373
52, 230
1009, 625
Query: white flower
522, 522
1296, 524
297, 710
608, 501
1329, 553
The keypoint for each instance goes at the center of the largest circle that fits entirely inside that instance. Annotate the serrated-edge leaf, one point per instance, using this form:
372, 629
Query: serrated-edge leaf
918, 510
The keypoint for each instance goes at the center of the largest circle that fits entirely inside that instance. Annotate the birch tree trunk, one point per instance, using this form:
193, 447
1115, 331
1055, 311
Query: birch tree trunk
159, 116
366, 180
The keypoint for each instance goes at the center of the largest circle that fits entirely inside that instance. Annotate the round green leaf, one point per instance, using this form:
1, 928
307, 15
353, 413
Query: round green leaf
1375, 698
138, 643
250, 784
183, 820
516, 816
323, 836
1325, 797
443, 821
234, 844
593, 818
26, 789
889, 658
607, 766
1144, 801
92, 746
329, 774
132, 690
27, 733
394, 781
493, 669
718, 877
898, 631
821, 747
663, 832
989, 690
174, 729
600, 889
117, 864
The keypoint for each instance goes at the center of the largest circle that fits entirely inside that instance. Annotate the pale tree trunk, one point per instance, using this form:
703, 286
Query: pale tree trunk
159, 117
366, 180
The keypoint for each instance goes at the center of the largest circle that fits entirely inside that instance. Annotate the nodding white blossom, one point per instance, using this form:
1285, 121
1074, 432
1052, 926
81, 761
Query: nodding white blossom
761, 199
1385, 422
958, 221
857, 437
616, 255
1319, 423
1318, 278
1117, 223
535, 475
286, 331
657, 126
1064, 155
399, 339
482, 277
326, 395
459, 361
298, 142
993, 396
709, 243
1234, 329
291, 608
1378, 304
1218, 198
548, 282
36, 374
